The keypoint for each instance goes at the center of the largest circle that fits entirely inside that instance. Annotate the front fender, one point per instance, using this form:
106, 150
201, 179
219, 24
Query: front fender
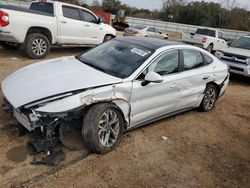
114, 93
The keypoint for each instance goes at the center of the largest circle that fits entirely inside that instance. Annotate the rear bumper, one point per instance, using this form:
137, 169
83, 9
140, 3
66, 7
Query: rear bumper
7, 37
238, 68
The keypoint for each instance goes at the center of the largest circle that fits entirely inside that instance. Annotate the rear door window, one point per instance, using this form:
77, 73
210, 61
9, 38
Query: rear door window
220, 35
192, 59
151, 29
71, 12
43, 7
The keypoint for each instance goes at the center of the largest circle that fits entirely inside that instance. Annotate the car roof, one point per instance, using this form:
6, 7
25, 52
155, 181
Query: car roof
151, 43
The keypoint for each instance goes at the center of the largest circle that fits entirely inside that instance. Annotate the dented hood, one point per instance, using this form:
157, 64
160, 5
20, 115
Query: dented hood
52, 77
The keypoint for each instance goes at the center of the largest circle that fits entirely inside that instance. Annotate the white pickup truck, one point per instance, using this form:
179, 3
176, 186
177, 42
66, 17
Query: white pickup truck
50, 23
209, 39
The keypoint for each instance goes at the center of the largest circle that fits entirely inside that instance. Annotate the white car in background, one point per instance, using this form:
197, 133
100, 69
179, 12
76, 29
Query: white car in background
144, 31
115, 87
237, 56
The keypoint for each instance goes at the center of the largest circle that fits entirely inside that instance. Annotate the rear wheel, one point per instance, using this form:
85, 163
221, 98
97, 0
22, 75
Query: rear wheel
210, 48
102, 128
7, 46
37, 46
209, 99
107, 38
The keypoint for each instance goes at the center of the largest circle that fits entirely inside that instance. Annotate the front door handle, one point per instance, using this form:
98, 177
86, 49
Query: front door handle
63, 21
206, 77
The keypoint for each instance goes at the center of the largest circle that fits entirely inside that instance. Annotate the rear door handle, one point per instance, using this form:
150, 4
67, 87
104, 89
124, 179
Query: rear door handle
86, 25
173, 86
63, 21
206, 77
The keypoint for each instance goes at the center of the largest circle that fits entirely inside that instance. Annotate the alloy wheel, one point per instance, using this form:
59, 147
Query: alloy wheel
39, 47
109, 128
210, 98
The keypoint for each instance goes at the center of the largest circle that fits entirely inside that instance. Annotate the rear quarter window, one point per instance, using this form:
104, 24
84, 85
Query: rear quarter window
207, 59
43, 7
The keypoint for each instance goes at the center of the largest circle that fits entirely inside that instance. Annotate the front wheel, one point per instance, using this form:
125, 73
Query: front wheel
102, 128
209, 99
37, 46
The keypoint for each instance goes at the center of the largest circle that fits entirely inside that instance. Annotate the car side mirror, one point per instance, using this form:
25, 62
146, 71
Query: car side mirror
152, 77
99, 20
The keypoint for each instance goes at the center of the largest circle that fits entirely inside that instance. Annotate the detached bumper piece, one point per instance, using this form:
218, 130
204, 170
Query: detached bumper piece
53, 158
44, 140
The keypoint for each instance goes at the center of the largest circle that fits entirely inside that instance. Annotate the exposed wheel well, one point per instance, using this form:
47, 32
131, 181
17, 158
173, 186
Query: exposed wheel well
211, 44
109, 35
217, 87
87, 108
41, 30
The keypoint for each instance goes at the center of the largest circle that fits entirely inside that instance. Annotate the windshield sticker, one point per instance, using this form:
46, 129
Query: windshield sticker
140, 52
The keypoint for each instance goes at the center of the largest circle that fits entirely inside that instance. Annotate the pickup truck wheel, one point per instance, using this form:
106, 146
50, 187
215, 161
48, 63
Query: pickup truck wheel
107, 38
209, 99
37, 46
102, 128
7, 46
210, 48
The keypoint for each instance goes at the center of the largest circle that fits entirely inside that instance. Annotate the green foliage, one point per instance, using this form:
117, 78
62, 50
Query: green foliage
206, 14
202, 13
111, 6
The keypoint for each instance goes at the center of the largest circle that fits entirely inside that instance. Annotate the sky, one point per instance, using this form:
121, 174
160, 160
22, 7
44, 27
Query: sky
156, 4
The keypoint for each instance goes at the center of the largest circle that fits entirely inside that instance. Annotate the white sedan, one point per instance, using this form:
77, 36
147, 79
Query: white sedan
144, 31
115, 87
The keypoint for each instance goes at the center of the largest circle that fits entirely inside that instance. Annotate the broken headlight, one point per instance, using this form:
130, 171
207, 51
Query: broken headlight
219, 54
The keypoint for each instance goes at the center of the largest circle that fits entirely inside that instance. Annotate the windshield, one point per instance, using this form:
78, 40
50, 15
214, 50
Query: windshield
243, 42
140, 27
117, 58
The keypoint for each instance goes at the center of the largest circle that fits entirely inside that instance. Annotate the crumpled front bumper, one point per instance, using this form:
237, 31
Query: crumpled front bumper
21, 118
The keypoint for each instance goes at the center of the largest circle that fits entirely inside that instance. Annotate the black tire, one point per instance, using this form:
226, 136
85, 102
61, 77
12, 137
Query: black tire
210, 48
91, 128
7, 46
107, 38
209, 99
33, 49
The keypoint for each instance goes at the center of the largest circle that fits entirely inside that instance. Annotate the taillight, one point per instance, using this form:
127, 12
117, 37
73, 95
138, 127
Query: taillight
4, 19
204, 40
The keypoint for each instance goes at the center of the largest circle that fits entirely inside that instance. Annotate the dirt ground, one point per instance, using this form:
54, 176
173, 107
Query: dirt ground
198, 150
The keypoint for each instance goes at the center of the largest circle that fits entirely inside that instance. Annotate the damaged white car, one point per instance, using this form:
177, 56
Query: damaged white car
115, 87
